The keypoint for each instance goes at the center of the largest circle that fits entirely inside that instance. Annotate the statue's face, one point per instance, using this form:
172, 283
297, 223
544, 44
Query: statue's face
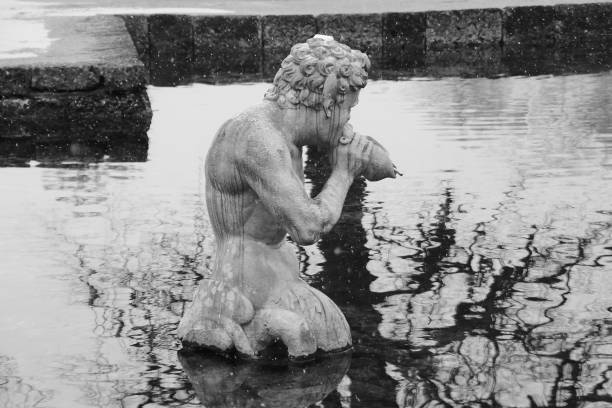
328, 128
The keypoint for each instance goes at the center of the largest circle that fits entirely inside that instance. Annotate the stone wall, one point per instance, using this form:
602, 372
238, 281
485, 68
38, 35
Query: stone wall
478, 42
59, 103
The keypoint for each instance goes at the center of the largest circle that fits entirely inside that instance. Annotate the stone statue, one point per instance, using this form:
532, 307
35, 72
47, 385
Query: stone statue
254, 297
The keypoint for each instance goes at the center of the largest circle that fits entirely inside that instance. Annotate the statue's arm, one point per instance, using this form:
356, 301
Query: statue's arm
268, 169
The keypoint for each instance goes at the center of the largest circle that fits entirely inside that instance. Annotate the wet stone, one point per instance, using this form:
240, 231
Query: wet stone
584, 23
15, 81
358, 31
557, 60
123, 77
279, 34
226, 45
403, 40
529, 26
469, 62
70, 116
138, 27
461, 28
171, 49
64, 78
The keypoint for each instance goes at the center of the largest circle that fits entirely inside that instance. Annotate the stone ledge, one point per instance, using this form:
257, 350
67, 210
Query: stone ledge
279, 34
226, 45
247, 48
87, 83
359, 31
76, 115
85, 53
403, 40
463, 28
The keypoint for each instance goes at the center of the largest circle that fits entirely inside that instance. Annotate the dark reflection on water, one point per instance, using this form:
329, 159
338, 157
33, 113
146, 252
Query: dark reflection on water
20, 152
221, 383
481, 278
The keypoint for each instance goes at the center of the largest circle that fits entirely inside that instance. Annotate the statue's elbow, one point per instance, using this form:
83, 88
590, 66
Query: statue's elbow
306, 234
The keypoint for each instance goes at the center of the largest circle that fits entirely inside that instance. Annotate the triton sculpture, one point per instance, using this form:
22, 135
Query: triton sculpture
255, 195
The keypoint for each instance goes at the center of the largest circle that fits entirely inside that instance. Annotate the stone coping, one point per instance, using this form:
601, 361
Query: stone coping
83, 54
527, 40
86, 82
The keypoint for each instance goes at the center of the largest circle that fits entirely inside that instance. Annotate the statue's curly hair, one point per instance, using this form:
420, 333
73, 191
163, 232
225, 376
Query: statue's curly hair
318, 73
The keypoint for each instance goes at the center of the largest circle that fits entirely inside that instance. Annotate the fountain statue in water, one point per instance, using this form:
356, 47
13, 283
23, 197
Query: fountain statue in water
254, 297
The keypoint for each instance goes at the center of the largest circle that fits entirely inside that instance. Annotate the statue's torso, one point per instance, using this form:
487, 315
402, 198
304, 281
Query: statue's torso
252, 251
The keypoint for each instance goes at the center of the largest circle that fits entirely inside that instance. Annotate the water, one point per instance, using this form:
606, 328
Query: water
480, 278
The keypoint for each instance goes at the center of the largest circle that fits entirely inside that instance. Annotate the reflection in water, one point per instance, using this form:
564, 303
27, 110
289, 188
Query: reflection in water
480, 278
19, 152
221, 383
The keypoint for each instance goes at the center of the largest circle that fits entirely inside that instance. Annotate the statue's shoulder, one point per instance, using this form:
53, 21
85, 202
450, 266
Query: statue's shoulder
250, 139
253, 132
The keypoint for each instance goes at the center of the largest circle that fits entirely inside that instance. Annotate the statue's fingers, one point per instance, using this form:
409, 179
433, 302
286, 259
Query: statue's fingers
207, 333
291, 328
238, 336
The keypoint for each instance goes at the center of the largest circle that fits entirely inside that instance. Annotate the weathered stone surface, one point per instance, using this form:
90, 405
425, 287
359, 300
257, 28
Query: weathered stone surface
226, 45
86, 84
556, 60
15, 81
171, 49
359, 31
279, 34
529, 26
584, 23
403, 40
465, 62
69, 116
86, 53
123, 77
138, 27
463, 28
65, 78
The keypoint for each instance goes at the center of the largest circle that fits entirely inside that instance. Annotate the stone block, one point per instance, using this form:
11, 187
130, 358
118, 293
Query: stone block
532, 26
463, 28
65, 78
92, 115
171, 49
279, 34
403, 40
465, 62
557, 60
584, 24
226, 45
123, 77
138, 27
359, 31
15, 81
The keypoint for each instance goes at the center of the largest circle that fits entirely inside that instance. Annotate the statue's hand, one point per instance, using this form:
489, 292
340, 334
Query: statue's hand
352, 154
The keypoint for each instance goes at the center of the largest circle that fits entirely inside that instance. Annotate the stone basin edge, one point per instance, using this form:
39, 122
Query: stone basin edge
105, 98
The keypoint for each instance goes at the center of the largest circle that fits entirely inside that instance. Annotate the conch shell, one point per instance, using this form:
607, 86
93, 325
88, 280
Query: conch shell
380, 166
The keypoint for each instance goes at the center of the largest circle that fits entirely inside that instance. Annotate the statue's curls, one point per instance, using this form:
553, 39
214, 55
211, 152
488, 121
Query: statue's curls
318, 73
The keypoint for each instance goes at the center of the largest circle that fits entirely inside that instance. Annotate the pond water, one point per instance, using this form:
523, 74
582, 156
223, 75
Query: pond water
482, 277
